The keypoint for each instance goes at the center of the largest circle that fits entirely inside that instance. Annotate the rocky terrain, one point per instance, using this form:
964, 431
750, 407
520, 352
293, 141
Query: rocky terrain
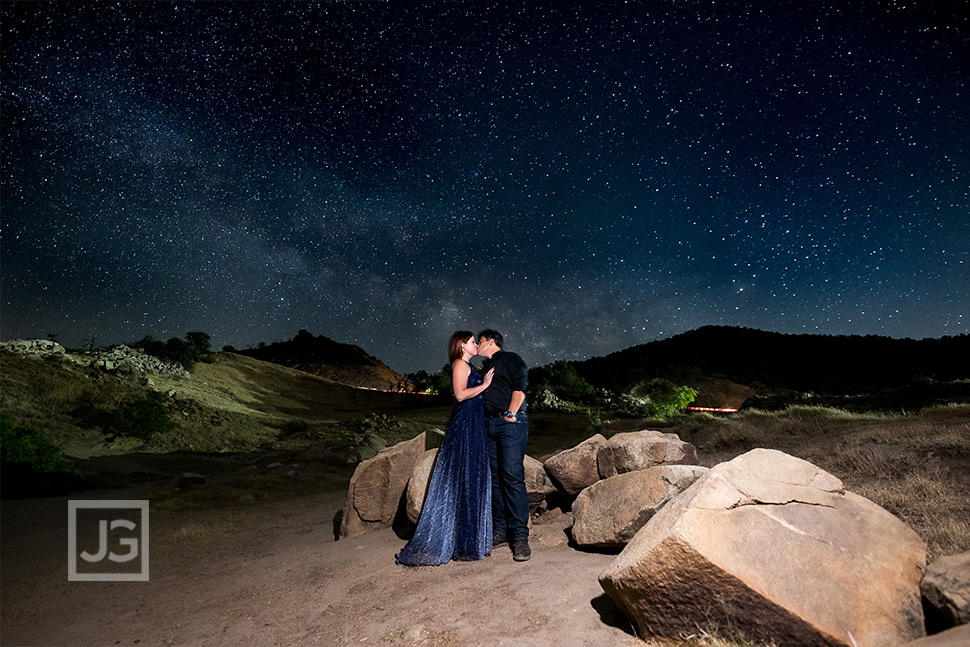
775, 542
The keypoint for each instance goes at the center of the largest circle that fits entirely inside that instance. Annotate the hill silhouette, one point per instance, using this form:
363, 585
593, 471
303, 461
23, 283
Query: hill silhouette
769, 362
322, 356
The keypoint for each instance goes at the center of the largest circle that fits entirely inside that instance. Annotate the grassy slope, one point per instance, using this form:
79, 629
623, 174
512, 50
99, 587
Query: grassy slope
235, 403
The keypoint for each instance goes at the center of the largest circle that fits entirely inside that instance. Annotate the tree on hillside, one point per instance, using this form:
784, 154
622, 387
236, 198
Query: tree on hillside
562, 379
177, 351
421, 380
199, 341
181, 352
442, 381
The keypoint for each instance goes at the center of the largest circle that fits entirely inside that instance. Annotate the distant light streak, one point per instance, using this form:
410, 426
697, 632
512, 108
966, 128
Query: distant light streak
714, 409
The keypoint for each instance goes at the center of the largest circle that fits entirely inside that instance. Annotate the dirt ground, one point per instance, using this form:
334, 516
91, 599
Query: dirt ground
271, 573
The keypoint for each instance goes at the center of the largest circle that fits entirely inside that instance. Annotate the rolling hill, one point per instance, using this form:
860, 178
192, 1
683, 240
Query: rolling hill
737, 361
344, 363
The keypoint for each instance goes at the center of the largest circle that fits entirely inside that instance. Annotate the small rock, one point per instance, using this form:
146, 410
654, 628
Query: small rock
946, 588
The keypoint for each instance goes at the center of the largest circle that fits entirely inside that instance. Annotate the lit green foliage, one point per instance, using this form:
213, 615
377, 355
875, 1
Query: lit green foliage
141, 417
595, 420
22, 444
662, 398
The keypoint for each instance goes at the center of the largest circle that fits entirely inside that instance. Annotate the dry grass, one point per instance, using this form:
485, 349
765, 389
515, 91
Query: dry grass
715, 638
213, 525
915, 466
933, 502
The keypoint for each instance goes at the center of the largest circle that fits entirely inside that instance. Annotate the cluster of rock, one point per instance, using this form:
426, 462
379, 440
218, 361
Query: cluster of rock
120, 360
394, 482
34, 348
766, 543
132, 361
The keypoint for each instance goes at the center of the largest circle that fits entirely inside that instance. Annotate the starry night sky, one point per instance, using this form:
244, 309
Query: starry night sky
582, 176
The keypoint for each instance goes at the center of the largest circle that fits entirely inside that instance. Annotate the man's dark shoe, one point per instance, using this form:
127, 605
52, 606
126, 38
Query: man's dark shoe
521, 551
498, 540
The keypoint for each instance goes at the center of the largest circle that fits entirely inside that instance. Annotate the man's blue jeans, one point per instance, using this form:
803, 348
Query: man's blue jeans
506, 452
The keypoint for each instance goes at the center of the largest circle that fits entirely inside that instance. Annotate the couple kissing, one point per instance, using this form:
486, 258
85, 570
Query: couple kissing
476, 498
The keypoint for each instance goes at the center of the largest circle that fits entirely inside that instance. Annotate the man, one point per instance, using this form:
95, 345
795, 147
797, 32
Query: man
506, 434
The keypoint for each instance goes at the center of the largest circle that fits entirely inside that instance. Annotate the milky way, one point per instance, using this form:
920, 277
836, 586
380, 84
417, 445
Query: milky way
583, 177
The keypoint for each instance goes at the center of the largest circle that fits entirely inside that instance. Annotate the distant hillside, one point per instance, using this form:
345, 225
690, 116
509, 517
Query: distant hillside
770, 362
322, 356
228, 403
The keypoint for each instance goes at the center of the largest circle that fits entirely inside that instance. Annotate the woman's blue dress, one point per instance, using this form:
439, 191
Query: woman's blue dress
456, 520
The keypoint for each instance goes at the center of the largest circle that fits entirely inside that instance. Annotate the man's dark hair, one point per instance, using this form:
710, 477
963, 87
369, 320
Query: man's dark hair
494, 335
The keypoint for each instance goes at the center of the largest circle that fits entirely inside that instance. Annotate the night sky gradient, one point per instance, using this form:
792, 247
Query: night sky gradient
582, 176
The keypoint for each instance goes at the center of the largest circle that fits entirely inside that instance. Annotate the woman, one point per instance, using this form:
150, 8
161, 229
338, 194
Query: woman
456, 520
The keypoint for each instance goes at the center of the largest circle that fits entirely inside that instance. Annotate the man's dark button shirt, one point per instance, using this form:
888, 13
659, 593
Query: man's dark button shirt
511, 374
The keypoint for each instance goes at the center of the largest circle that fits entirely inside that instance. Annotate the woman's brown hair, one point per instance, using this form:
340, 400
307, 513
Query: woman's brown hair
457, 340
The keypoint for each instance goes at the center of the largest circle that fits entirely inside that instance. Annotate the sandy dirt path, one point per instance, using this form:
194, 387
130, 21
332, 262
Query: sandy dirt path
283, 580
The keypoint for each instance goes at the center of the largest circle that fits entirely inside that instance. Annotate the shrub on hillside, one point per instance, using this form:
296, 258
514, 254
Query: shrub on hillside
194, 348
441, 382
33, 447
561, 379
662, 398
295, 427
141, 417
546, 400
420, 380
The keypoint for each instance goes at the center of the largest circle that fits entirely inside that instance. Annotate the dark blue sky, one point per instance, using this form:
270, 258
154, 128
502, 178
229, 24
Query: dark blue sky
582, 176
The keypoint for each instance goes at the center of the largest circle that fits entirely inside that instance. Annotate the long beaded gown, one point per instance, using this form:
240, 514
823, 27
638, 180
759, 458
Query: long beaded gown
456, 520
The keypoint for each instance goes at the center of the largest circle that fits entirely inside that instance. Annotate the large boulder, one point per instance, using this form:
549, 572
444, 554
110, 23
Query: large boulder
417, 488
609, 513
955, 637
775, 547
639, 450
576, 468
377, 486
536, 482
946, 589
